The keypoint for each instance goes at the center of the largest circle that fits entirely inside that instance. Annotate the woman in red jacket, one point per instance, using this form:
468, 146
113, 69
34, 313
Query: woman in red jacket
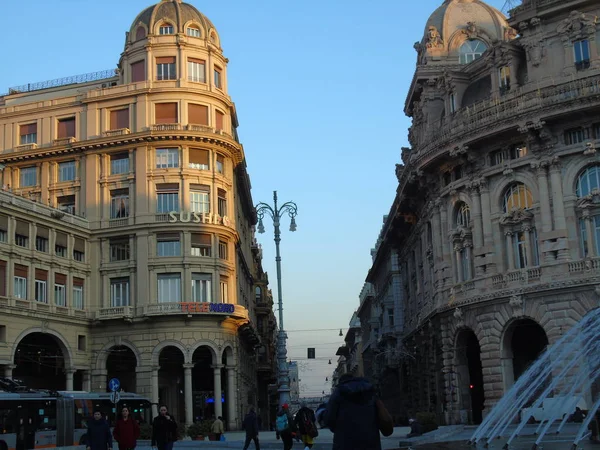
127, 431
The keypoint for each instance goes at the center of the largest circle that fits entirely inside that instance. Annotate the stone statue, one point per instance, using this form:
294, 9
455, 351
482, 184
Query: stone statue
434, 39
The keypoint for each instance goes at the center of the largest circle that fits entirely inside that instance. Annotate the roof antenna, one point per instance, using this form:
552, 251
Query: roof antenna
510, 4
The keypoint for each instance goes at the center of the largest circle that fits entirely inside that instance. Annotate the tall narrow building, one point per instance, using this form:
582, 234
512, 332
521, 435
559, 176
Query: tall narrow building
127, 243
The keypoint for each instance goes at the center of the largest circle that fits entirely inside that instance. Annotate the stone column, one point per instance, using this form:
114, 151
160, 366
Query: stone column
69, 379
231, 399
510, 250
8, 371
187, 390
437, 234
87, 381
460, 277
529, 247
467, 249
155, 391
485, 212
477, 219
560, 222
589, 231
217, 390
544, 196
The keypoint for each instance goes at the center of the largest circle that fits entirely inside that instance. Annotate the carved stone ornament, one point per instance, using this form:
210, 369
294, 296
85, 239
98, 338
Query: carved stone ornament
405, 154
516, 216
459, 150
591, 200
418, 47
399, 171
472, 31
458, 314
577, 26
516, 301
510, 33
434, 39
590, 149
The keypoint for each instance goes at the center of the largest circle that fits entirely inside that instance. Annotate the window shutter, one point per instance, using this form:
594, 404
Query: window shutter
30, 128
165, 60
197, 114
199, 188
3, 278
77, 281
41, 275
219, 120
198, 156
167, 187
138, 71
167, 237
66, 128
119, 119
21, 271
59, 278
201, 239
166, 113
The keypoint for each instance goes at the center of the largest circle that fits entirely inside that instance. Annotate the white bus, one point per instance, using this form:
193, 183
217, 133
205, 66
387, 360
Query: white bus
32, 419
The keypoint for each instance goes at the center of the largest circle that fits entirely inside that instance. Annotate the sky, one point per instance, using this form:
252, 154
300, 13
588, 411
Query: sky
319, 88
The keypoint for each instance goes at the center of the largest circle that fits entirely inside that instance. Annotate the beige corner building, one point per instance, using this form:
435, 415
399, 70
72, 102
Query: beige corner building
127, 242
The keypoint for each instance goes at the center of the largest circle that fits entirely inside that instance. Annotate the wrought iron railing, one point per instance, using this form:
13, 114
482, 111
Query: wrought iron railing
76, 79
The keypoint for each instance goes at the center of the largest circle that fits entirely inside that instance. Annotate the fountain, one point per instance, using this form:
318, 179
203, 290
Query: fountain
560, 380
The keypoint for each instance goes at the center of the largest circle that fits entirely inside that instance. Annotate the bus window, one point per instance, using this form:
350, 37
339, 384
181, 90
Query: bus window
8, 417
44, 412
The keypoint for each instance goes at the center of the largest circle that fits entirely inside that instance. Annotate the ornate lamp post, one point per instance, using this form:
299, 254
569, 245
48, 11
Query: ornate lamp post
276, 213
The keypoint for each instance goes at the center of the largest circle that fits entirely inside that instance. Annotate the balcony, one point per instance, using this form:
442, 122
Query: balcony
41, 308
194, 309
166, 127
115, 312
119, 132
64, 141
26, 147
493, 113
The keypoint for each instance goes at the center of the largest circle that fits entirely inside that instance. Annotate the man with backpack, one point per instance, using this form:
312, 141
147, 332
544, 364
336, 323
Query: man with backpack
285, 426
306, 423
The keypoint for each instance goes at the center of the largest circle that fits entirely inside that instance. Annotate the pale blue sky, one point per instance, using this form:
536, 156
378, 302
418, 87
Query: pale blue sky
319, 88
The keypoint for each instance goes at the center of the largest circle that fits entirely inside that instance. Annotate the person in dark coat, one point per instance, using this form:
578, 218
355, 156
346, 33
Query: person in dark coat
250, 425
415, 428
352, 415
127, 431
98, 433
164, 430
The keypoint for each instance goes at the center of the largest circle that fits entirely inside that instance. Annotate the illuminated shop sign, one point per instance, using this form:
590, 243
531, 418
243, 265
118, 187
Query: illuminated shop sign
194, 217
220, 308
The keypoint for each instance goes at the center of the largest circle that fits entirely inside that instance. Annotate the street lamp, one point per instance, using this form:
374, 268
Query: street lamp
276, 214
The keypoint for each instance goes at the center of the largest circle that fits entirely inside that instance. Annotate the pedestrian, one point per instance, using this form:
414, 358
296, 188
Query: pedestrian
217, 428
306, 424
164, 430
250, 425
285, 427
356, 416
98, 435
127, 430
415, 428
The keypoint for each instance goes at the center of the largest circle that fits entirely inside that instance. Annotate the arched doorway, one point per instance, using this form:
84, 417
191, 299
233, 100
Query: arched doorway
523, 342
171, 381
40, 362
203, 383
121, 363
469, 374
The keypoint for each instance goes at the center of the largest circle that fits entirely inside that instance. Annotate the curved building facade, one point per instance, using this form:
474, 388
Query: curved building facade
490, 251
127, 242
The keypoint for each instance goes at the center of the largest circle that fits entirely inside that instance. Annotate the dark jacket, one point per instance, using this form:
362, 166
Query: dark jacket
302, 416
126, 433
352, 416
250, 424
291, 423
163, 430
98, 435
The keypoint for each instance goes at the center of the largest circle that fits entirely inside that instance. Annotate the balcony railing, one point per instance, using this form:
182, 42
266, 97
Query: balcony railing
77, 79
115, 312
119, 132
26, 147
483, 115
166, 127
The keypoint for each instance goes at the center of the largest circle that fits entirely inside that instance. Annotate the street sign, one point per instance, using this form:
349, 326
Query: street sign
114, 384
115, 397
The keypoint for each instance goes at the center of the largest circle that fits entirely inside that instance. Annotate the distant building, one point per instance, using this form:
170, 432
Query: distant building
294, 382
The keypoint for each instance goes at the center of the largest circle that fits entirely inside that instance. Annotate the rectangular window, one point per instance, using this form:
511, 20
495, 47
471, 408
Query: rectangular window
217, 75
66, 128
78, 293
452, 103
201, 245
168, 245
119, 292
197, 114
119, 251
60, 295
223, 250
391, 316
28, 176
119, 119
518, 151
581, 54
60, 250
119, 204
167, 158
78, 255
167, 198
201, 287
219, 120
41, 244
220, 164
41, 290
166, 113
165, 29
193, 32
138, 71
199, 159
21, 241
28, 134
20, 287
222, 202
169, 288
466, 264
200, 200
196, 70
66, 204
223, 290
81, 341
66, 171
576, 135
119, 164
504, 79
3, 236
165, 68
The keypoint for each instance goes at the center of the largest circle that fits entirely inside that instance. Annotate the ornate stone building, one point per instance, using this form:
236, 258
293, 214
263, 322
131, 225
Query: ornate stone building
127, 229
496, 219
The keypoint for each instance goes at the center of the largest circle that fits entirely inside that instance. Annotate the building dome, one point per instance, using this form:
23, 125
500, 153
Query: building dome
458, 21
179, 15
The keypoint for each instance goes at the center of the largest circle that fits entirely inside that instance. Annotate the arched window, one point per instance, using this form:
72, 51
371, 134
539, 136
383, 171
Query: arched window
193, 32
140, 33
166, 28
517, 196
471, 50
588, 181
463, 215
258, 294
